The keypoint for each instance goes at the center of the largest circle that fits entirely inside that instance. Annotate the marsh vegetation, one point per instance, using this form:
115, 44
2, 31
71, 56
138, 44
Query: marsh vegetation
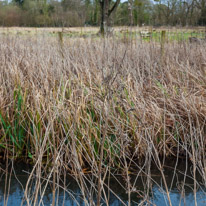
97, 107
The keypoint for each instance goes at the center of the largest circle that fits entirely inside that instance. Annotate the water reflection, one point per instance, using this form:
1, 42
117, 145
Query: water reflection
157, 194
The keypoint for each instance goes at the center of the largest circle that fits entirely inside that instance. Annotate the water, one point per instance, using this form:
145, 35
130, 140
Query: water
157, 194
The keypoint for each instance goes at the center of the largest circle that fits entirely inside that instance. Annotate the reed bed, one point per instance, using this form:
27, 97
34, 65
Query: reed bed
101, 107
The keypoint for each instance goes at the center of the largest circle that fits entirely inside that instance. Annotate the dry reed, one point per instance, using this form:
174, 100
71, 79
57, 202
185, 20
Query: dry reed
104, 106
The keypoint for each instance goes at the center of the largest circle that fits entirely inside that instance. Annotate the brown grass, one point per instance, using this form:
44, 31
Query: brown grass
104, 104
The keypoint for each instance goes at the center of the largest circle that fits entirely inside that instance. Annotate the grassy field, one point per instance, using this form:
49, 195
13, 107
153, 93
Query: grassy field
101, 106
172, 33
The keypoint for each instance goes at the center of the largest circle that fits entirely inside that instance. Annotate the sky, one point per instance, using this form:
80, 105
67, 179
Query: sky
126, 0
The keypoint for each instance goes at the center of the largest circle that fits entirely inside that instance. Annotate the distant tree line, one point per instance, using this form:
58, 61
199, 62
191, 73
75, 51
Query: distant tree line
90, 12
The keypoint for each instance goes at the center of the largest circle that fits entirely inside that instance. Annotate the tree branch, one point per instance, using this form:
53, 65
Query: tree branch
114, 7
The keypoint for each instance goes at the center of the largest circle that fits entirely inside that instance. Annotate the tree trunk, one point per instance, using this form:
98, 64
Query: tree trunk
104, 17
106, 14
130, 8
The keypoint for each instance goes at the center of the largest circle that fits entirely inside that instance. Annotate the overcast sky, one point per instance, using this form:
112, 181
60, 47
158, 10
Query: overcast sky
127, 0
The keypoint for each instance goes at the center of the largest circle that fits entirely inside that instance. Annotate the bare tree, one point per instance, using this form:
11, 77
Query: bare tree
107, 8
201, 5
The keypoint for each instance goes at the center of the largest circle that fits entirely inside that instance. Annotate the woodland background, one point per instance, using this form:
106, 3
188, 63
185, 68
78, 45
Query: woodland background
73, 13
